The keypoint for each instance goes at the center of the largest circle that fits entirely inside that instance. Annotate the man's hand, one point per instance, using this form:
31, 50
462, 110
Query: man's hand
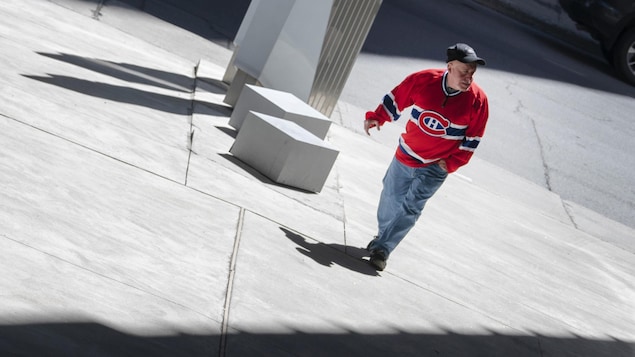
369, 124
443, 165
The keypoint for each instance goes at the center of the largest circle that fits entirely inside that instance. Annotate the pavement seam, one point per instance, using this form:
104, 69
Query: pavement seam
230, 283
468, 307
101, 274
90, 149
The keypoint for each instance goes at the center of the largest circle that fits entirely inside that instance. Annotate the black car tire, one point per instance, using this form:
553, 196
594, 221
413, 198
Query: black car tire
624, 56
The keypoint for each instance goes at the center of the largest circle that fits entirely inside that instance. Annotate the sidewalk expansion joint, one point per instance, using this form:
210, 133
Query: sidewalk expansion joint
101, 275
230, 283
190, 138
90, 149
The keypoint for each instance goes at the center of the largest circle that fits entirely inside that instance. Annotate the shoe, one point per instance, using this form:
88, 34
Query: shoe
378, 260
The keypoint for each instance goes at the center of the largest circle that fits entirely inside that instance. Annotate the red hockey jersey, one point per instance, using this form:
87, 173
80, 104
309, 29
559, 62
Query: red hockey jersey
442, 125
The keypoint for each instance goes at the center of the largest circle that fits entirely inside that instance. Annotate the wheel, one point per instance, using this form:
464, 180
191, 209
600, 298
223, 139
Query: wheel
624, 56
608, 55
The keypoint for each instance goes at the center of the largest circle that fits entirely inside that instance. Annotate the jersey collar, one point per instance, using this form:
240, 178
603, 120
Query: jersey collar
444, 85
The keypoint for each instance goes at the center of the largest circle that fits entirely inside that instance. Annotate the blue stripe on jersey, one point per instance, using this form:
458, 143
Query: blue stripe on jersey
416, 113
405, 151
455, 132
470, 144
389, 106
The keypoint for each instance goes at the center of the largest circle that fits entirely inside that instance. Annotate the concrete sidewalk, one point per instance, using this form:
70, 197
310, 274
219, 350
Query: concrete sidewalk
127, 228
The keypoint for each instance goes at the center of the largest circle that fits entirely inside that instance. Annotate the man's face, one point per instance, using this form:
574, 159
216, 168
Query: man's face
460, 75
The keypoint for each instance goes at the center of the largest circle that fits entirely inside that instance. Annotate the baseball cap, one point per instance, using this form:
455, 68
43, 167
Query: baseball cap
464, 53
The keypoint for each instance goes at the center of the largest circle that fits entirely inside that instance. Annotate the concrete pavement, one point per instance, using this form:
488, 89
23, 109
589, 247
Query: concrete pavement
127, 228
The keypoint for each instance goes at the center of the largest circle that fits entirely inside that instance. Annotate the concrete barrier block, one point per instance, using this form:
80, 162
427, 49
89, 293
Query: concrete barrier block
284, 152
278, 104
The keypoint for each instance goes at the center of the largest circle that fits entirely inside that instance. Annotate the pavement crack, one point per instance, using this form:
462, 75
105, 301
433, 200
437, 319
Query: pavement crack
567, 210
545, 167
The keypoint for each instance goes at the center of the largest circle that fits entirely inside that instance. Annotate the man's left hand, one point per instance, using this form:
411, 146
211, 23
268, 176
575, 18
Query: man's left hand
443, 165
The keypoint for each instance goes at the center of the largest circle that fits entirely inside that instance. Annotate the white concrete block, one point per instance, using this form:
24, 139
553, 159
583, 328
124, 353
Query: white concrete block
280, 105
284, 152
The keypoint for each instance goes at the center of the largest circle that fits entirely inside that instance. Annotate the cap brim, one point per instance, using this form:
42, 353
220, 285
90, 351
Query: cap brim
473, 59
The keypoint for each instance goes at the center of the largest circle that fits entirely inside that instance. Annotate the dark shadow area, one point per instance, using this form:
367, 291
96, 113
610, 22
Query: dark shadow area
94, 339
210, 19
120, 94
133, 74
128, 72
232, 133
215, 85
136, 74
328, 254
206, 87
156, 101
212, 108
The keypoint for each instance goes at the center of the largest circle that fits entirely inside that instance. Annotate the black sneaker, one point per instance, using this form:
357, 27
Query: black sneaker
378, 260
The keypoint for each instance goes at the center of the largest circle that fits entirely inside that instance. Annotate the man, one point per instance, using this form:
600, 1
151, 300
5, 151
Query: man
447, 120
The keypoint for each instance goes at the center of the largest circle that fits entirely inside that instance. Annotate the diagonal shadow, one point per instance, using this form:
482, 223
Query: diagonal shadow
135, 74
233, 133
329, 254
128, 72
121, 94
214, 85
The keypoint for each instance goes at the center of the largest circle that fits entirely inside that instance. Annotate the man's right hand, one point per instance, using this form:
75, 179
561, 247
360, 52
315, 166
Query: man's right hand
369, 124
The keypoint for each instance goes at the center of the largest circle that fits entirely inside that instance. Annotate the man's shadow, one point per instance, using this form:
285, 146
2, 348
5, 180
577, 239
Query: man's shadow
328, 254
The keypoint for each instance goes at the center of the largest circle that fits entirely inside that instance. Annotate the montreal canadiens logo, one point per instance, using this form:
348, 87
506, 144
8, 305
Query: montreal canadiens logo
433, 123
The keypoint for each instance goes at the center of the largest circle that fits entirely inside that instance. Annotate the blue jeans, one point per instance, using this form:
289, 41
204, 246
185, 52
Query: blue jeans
406, 191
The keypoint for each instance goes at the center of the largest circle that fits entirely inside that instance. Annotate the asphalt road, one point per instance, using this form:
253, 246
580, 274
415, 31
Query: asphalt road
558, 116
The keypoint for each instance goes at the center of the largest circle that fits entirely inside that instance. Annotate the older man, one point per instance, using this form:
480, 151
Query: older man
447, 120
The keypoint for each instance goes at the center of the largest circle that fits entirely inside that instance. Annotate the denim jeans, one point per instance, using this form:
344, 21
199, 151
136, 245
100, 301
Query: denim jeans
405, 193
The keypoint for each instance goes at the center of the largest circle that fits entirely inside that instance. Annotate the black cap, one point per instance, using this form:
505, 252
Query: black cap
464, 53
